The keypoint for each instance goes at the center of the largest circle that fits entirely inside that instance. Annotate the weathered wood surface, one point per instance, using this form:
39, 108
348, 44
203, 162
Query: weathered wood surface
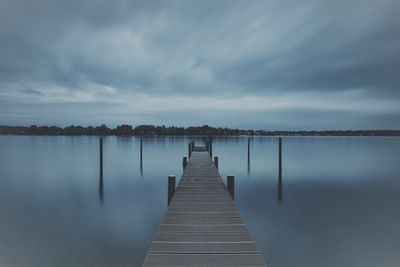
202, 226
199, 148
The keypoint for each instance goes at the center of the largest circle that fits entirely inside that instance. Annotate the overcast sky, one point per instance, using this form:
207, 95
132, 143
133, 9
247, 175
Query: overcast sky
277, 64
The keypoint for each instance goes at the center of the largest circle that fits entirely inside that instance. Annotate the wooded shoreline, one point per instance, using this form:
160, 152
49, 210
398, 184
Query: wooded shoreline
152, 130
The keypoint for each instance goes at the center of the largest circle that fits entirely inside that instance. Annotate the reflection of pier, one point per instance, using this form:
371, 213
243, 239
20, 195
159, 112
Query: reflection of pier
202, 226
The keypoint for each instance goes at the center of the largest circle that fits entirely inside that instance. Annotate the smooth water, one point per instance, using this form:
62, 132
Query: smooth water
339, 204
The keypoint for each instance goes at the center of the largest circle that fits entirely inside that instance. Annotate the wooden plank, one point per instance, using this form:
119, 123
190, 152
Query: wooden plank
202, 237
195, 260
206, 214
201, 220
204, 247
215, 214
194, 228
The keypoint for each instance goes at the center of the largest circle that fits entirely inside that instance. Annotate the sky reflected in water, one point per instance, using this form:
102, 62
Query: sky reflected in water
338, 203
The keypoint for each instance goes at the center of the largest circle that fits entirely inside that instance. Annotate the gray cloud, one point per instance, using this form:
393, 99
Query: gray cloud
120, 51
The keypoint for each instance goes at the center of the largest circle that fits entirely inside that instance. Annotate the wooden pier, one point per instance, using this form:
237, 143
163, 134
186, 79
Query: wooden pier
202, 226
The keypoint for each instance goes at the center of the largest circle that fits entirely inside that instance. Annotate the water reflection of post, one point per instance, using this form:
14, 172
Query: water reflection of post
280, 188
248, 156
248, 167
101, 189
141, 157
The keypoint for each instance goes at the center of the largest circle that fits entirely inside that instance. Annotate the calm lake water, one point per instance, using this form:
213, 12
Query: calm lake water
340, 203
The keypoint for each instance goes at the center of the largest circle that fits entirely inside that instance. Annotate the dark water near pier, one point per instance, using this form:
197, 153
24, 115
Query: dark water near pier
339, 205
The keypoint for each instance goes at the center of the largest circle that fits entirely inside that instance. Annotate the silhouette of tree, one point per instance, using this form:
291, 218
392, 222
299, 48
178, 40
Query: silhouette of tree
205, 130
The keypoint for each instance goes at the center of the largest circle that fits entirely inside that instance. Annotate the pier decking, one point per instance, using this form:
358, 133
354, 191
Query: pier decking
202, 226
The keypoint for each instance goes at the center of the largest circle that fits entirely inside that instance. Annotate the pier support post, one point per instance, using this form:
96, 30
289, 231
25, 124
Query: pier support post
171, 187
193, 145
216, 162
141, 149
280, 156
230, 185
101, 155
280, 184
189, 149
184, 162
141, 156
210, 149
101, 188
248, 149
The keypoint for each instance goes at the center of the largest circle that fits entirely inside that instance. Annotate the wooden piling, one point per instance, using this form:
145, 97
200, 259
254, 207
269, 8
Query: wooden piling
280, 156
141, 157
216, 162
101, 155
230, 185
189, 149
210, 149
171, 187
101, 187
184, 162
280, 184
248, 149
141, 149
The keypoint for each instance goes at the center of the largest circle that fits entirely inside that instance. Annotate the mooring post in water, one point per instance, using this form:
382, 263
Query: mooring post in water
210, 150
101, 155
280, 183
141, 149
216, 162
280, 156
184, 162
189, 150
230, 185
171, 187
207, 146
248, 149
141, 157
101, 190
193, 145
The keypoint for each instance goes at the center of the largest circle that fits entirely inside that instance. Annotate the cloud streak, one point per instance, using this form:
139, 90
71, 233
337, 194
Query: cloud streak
146, 59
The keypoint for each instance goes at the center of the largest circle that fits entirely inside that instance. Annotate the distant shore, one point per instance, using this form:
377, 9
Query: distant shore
151, 130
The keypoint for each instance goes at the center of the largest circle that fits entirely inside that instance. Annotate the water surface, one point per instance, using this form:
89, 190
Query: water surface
339, 203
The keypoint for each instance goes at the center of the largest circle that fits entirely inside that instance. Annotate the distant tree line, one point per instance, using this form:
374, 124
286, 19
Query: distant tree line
205, 130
